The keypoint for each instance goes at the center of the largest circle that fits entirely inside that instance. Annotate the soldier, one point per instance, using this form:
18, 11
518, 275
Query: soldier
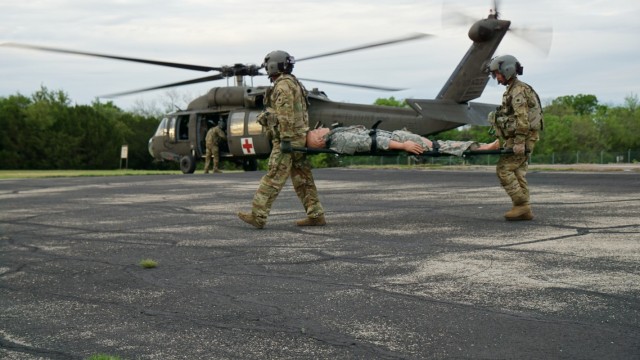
517, 123
213, 138
352, 139
287, 121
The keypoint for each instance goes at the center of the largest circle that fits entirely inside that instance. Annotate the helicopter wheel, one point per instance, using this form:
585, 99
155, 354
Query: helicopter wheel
250, 165
187, 164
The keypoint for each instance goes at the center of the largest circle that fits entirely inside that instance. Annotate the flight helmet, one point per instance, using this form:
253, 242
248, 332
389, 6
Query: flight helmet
278, 62
507, 65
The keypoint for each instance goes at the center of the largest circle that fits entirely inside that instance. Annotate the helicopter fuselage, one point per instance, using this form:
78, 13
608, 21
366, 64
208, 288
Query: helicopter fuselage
180, 135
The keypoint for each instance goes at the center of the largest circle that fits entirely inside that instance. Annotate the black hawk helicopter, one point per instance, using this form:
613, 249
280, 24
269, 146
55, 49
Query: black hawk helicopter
180, 135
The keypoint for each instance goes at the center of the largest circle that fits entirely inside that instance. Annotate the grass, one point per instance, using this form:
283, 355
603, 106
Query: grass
19, 174
148, 263
29, 174
102, 357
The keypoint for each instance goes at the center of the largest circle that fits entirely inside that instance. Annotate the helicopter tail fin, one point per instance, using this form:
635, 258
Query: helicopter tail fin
468, 80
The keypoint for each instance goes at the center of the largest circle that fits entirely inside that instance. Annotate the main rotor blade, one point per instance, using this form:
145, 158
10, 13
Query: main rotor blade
452, 17
187, 82
411, 37
145, 61
541, 38
373, 87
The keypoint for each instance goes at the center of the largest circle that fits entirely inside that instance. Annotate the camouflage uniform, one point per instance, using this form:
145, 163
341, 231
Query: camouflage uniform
352, 139
517, 121
212, 140
287, 119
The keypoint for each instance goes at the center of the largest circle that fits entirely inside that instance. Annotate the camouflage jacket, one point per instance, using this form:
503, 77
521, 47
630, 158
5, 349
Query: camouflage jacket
287, 108
519, 114
214, 135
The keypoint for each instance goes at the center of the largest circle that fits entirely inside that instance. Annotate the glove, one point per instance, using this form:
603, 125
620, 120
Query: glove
518, 149
263, 118
285, 146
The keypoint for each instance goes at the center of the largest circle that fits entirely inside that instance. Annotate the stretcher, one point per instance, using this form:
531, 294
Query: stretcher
286, 147
430, 153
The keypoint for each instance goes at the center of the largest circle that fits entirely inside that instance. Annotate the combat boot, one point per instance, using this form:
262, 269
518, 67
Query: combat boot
251, 220
519, 212
319, 221
217, 171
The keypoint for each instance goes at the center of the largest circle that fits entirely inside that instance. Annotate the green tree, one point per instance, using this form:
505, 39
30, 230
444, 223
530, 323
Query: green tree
13, 137
621, 126
580, 104
391, 102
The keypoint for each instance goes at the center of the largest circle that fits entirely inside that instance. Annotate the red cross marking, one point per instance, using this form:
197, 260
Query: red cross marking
247, 146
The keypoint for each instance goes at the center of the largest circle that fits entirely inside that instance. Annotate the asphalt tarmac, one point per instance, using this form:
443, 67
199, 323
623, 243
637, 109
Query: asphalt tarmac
413, 264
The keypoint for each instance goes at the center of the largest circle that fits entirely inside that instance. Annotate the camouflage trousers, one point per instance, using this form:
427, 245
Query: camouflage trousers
211, 153
511, 171
281, 167
444, 146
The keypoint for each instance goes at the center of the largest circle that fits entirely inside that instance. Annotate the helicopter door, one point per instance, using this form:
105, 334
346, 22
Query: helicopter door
246, 137
206, 121
182, 127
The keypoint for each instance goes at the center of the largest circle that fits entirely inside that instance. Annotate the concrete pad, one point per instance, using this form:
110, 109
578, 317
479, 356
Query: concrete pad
412, 264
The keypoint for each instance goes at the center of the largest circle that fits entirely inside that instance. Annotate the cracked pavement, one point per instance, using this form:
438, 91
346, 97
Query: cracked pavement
413, 264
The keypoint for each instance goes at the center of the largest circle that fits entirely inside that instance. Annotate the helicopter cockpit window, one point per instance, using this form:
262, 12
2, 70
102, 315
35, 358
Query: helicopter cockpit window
172, 129
162, 128
254, 127
236, 123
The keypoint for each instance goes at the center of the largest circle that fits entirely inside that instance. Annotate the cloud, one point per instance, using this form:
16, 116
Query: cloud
593, 48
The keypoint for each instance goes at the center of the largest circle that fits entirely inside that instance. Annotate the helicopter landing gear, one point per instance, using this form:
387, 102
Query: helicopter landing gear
250, 165
187, 164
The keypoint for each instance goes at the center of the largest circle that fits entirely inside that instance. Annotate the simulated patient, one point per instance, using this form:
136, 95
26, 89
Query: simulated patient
352, 139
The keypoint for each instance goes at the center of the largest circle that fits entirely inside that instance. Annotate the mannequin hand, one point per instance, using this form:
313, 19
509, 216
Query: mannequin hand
413, 147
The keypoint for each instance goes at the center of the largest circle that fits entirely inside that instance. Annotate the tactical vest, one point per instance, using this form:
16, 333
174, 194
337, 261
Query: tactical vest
534, 105
299, 122
504, 118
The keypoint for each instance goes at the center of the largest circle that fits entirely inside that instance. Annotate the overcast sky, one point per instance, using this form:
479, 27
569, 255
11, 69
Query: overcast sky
595, 48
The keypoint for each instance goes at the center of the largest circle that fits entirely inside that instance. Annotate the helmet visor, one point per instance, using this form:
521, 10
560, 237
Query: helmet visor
493, 67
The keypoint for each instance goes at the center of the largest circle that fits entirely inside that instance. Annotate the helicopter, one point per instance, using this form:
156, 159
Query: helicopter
180, 135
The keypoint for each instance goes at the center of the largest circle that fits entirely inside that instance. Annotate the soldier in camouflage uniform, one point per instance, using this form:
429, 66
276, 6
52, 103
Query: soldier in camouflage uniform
352, 139
212, 140
287, 121
517, 123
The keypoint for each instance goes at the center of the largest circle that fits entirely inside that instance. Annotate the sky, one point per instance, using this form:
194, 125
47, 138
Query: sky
594, 50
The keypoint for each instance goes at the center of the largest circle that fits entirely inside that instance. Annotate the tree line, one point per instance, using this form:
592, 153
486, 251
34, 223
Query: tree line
46, 131
577, 123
